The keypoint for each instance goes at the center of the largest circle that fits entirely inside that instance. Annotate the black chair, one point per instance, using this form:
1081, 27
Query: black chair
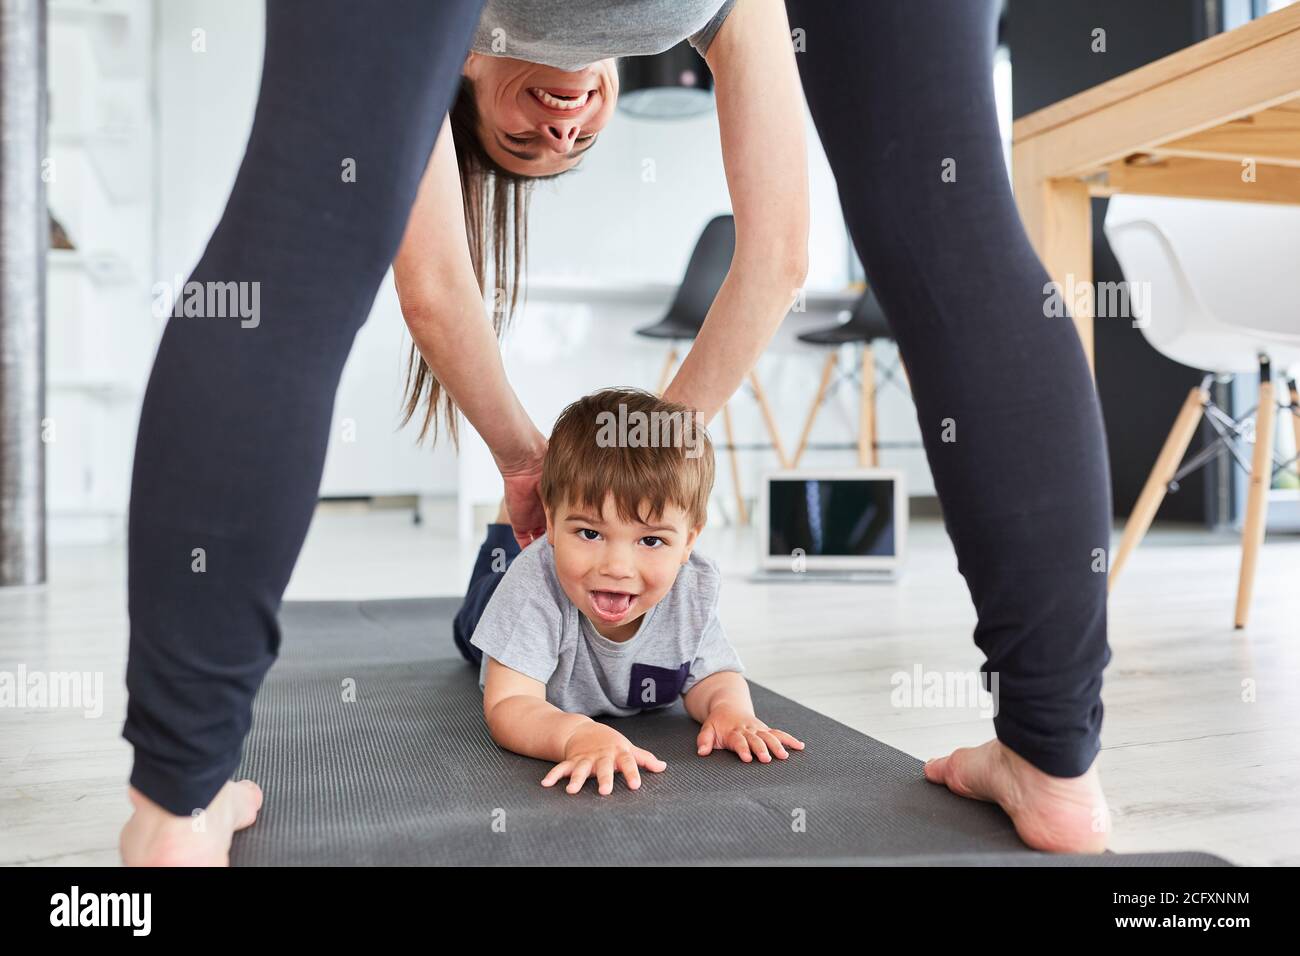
705, 273
866, 325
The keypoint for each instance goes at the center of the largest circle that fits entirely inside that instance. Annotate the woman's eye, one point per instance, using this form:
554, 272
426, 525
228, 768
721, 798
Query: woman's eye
587, 531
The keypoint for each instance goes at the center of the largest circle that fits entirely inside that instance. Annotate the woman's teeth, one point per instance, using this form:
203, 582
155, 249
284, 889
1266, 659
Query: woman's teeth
559, 102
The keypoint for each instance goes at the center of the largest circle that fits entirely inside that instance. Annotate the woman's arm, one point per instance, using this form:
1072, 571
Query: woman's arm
761, 121
443, 308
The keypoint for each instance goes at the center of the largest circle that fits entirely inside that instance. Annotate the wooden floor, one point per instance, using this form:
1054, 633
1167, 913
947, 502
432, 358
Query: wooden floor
1187, 763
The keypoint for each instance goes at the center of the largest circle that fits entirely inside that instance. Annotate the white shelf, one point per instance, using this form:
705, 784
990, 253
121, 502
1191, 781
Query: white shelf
104, 268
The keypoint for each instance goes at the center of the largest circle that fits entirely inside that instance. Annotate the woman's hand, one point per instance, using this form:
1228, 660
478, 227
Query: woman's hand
524, 500
732, 728
524, 506
603, 750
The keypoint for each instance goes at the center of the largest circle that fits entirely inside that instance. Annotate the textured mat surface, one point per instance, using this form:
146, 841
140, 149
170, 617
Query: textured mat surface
368, 739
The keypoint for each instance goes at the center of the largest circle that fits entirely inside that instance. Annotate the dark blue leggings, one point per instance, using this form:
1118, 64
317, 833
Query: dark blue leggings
499, 548
235, 421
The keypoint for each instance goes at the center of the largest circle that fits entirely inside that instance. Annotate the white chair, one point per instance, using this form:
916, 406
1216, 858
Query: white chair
1217, 277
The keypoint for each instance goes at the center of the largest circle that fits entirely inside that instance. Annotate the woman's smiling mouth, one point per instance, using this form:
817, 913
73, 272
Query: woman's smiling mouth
563, 101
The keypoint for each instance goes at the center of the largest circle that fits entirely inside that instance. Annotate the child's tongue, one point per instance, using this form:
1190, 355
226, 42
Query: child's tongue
610, 602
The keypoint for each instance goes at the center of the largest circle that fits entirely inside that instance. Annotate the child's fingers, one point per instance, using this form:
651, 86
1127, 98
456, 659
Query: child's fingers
605, 776
645, 758
558, 772
579, 775
770, 738
758, 747
706, 740
627, 764
740, 745
788, 740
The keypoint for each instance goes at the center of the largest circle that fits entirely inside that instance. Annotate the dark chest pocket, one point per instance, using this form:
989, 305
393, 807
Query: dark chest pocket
652, 686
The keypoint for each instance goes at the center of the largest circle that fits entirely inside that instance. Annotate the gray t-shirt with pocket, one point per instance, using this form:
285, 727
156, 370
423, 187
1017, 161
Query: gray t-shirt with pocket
531, 626
571, 34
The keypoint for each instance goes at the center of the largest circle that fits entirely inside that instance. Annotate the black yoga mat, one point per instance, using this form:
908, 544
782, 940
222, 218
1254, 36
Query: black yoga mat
369, 742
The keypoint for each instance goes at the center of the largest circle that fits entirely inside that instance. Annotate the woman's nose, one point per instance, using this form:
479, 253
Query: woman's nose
560, 136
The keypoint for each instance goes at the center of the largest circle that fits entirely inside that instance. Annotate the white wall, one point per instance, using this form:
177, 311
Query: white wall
100, 334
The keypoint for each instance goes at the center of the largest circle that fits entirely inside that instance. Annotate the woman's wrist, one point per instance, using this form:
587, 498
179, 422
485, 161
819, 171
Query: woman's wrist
524, 451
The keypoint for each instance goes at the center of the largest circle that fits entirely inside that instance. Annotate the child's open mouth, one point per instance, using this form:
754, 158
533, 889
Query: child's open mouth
612, 606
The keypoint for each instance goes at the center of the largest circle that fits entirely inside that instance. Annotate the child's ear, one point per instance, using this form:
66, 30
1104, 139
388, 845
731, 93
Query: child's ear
691, 536
549, 530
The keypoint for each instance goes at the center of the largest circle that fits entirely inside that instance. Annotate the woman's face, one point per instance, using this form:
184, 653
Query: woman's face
536, 120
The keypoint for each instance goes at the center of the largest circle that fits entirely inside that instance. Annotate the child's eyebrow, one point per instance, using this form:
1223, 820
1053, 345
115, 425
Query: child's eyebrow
588, 519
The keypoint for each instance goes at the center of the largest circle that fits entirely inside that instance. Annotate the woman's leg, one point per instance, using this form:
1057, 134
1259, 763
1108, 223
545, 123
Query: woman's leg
235, 421
496, 552
901, 92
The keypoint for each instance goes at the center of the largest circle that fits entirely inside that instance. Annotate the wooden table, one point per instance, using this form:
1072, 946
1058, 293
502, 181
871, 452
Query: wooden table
1218, 120
1193, 124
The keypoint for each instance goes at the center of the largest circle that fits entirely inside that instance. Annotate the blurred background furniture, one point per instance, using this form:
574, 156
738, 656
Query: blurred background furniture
865, 325
1213, 307
705, 274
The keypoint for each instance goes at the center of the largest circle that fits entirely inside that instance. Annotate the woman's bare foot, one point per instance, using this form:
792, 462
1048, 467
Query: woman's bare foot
503, 516
1058, 814
154, 837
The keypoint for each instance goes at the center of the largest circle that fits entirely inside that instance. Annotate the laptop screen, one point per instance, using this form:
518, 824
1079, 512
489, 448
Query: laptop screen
847, 517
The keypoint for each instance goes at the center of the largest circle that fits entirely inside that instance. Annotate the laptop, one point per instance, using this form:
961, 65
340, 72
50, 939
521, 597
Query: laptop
831, 525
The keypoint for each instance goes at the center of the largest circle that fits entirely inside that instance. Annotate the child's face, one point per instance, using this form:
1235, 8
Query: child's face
615, 570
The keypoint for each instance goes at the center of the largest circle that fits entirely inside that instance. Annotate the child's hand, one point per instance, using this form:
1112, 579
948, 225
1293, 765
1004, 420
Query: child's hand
731, 728
600, 748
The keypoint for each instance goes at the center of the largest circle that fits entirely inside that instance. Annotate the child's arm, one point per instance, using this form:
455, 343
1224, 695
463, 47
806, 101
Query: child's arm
722, 705
719, 687
521, 719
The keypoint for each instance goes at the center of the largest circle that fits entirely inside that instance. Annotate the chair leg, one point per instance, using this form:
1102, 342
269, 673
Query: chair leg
769, 419
1295, 420
668, 369
867, 410
827, 370
1261, 479
1153, 492
741, 515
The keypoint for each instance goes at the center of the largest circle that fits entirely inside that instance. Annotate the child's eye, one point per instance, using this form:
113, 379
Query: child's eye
652, 541
584, 532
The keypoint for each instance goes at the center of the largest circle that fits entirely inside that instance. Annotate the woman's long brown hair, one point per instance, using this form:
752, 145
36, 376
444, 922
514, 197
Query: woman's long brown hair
496, 225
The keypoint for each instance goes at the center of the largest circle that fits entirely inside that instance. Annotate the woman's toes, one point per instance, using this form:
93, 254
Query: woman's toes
936, 769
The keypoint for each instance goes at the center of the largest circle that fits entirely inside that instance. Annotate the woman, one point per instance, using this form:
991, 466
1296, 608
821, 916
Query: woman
235, 422
516, 120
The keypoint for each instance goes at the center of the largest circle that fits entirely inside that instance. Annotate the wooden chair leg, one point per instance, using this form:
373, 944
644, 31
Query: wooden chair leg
769, 419
741, 514
827, 370
1153, 492
1261, 479
867, 410
668, 370
1295, 421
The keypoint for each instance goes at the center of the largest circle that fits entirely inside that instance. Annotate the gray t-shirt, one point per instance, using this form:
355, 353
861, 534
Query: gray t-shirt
531, 626
571, 34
